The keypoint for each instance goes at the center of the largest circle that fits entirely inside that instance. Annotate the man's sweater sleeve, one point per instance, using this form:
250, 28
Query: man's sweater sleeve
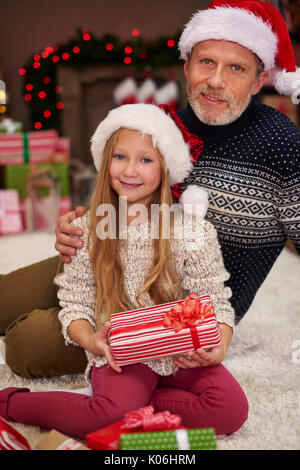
204, 271
289, 199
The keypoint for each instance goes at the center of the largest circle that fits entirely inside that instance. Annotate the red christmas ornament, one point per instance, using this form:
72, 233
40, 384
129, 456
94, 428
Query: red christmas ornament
38, 125
59, 105
42, 95
109, 47
47, 113
86, 37
65, 56
171, 43
55, 58
28, 97
22, 72
128, 50
127, 60
36, 65
76, 49
46, 80
135, 32
29, 87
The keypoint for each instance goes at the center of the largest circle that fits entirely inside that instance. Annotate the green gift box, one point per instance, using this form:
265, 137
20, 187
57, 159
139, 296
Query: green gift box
179, 439
14, 177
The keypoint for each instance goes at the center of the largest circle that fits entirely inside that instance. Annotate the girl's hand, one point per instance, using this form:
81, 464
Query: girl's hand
98, 345
207, 357
201, 358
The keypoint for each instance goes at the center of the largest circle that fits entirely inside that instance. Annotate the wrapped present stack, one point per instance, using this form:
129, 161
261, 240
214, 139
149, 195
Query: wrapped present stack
144, 429
137, 421
25, 154
120, 436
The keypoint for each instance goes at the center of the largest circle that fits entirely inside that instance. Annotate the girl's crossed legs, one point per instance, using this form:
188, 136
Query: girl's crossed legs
203, 397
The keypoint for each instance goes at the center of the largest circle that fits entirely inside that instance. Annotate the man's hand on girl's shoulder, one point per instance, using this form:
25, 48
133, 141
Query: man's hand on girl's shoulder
67, 240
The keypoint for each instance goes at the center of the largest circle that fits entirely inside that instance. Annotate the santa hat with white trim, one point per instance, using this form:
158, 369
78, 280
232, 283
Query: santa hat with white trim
253, 24
166, 136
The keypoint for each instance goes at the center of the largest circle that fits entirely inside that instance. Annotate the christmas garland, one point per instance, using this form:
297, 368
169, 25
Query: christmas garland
40, 88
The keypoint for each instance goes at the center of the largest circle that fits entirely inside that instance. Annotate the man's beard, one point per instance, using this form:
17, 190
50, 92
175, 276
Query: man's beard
231, 114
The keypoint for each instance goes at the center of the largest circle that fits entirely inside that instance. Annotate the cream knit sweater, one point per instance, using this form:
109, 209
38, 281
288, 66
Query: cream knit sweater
198, 263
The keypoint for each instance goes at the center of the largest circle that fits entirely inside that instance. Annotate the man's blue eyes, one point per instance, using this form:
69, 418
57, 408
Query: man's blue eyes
236, 68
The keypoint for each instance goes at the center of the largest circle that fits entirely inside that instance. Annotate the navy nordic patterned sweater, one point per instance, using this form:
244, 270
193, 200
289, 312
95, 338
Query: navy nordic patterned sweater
251, 170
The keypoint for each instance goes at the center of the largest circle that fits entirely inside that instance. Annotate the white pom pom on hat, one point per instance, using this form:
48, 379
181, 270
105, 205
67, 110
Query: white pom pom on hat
166, 136
194, 201
256, 25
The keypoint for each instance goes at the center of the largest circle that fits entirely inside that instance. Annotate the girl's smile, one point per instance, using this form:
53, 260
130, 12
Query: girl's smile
130, 185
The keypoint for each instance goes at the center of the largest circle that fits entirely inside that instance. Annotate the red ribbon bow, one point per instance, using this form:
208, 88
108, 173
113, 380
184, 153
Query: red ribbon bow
187, 314
146, 419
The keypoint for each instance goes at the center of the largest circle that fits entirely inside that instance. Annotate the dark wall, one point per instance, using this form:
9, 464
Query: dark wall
28, 26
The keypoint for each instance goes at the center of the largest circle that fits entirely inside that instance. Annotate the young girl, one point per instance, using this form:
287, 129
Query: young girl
139, 152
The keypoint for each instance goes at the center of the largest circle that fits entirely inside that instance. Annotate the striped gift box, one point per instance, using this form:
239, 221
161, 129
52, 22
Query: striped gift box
41, 146
139, 335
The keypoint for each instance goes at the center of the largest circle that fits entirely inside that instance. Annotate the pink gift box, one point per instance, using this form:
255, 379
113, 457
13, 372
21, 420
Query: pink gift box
10, 216
140, 335
62, 150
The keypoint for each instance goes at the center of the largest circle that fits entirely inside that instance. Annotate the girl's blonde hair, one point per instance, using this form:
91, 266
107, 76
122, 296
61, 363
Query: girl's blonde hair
161, 283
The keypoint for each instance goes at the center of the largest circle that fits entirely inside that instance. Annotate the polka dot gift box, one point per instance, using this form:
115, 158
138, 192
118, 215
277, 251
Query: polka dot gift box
179, 439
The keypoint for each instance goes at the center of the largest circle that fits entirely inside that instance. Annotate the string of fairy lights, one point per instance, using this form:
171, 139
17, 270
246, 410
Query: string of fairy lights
43, 94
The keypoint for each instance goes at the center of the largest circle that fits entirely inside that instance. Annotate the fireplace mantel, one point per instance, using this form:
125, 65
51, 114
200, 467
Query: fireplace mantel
87, 95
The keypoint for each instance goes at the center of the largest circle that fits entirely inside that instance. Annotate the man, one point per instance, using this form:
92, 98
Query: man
245, 155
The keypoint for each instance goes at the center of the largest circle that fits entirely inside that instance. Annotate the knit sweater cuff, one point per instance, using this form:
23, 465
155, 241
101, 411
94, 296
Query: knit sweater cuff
67, 319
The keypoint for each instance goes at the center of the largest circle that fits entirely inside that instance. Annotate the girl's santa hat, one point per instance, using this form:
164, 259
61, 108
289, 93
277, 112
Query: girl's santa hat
256, 25
153, 121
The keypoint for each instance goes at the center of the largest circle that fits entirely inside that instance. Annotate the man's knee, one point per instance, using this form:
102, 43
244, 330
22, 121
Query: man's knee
35, 346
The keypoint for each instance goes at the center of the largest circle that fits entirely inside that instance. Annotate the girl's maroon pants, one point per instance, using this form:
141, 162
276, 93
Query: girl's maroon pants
203, 397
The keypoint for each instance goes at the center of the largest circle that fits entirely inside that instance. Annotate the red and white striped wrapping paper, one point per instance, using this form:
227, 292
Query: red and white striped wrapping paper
139, 335
10, 439
42, 145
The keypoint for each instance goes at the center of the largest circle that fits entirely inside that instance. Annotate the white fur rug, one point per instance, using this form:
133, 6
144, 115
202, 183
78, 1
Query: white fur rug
264, 357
